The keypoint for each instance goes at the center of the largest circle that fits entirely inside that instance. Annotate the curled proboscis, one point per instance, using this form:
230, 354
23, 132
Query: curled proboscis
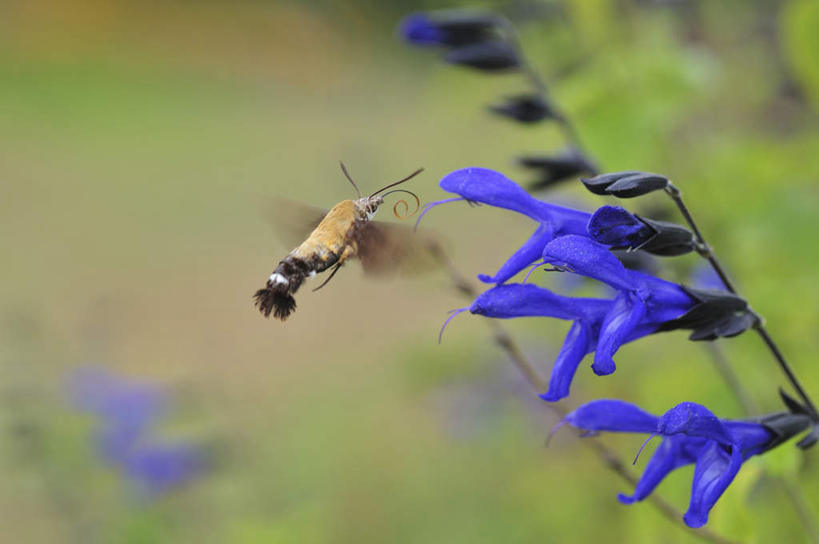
403, 203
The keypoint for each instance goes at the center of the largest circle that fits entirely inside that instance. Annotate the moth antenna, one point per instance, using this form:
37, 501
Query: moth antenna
325, 282
399, 182
349, 178
404, 202
454, 313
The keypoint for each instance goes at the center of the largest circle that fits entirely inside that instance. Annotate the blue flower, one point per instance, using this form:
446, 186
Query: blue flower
483, 186
691, 435
709, 314
128, 414
600, 325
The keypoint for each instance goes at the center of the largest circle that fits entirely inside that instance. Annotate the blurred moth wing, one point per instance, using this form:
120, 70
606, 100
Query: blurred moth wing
386, 248
292, 221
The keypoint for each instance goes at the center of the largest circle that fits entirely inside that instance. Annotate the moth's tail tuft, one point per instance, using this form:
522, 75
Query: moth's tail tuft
276, 301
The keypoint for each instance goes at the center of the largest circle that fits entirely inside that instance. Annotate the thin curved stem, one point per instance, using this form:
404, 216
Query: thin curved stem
568, 129
707, 252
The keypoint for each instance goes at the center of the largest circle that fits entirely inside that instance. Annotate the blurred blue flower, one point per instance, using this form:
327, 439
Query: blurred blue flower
419, 29
450, 28
691, 435
158, 468
484, 186
128, 413
127, 410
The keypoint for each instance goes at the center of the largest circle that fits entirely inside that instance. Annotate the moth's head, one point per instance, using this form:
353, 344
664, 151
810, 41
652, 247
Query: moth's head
367, 206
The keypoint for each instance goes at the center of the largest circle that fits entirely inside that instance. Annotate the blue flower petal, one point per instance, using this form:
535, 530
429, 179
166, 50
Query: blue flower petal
614, 226
589, 258
694, 420
492, 188
670, 455
612, 415
624, 316
714, 471
527, 300
751, 438
575, 347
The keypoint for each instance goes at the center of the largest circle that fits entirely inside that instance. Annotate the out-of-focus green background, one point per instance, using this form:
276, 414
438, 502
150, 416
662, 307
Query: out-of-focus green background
139, 143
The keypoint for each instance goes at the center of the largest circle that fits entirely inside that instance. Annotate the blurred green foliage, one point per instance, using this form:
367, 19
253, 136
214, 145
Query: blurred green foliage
139, 143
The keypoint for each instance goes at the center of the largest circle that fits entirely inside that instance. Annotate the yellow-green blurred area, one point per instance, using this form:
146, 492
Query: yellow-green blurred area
140, 143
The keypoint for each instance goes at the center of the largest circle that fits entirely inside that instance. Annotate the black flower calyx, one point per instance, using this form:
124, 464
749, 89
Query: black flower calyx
625, 184
796, 420
491, 56
669, 240
524, 108
717, 314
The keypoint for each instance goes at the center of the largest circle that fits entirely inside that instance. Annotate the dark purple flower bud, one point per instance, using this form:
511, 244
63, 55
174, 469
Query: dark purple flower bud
526, 108
556, 168
490, 56
454, 28
625, 184
616, 227
717, 314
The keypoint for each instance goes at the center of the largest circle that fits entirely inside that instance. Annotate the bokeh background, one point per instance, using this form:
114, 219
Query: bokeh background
139, 143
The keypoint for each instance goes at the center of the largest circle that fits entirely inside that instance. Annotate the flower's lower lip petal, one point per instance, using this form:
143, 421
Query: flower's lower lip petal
571, 354
714, 471
622, 319
626, 499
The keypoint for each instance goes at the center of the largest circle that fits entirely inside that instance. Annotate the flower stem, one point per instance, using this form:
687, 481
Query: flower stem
567, 128
607, 456
707, 252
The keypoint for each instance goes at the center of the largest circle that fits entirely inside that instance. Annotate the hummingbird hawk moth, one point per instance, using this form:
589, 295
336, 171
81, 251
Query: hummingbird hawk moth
345, 232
